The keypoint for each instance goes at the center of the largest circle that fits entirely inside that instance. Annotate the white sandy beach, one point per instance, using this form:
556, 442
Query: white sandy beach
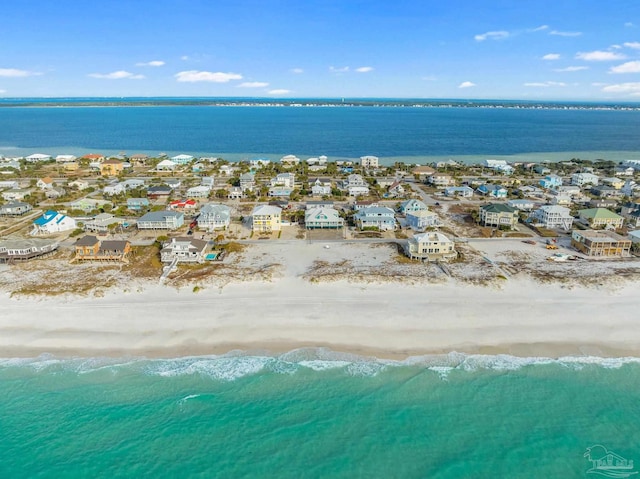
383, 318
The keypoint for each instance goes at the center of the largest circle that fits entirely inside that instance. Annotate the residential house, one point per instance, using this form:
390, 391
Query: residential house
183, 205
184, 250
9, 184
139, 159
630, 188
266, 218
369, 161
531, 191
584, 179
157, 192
631, 212
432, 246
602, 203
111, 167
318, 204
550, 182
79, 184
562, 199
634, 236
37, 157
199, 192
235, 193
624, 171
161, 220
101, 223
133, 184
90, 248
94, 157
259, 163
494, 191
55, 193
198, 167
166, 165
411, 206
441, 180
360, 205
12, 250
522, 205
635, 164
422, 172
600, 243
7, 165
381, 218
182, 159
320, 161
289, 161
208, 181
15, 194
137, 204
320, 186
65, 158
52, 222
613, 182
112, 190
88, 204
44, 183
71, 166
15, 208
422, 219
385, 182
541, 169
600, 218
247, 182
460, 191
498, 215
280, 191
214, 217
227, 170
396, 189
322, 218
553, 216
604, 191
287, 180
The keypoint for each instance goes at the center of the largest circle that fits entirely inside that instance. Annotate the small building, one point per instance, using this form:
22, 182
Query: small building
14, 250
422, 219
183, 205
613, 182
460, 191
137, 204
432, 246
161, 220
494, 191
553, 216
600, 243
8, 184
101, 223
52, 222
16, 194
498, 215
113, 190
111, 167
412, 205
184, 250
45, 183
214, 217
166, 165
382, 218
79, 184
90, 248
266, 218
600, 218
322, 218
15, 208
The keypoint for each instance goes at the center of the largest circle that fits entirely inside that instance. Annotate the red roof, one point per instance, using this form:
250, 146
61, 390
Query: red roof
93, 156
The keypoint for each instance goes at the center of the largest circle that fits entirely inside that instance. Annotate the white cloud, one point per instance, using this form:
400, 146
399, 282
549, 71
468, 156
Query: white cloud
466, 84
629, 24
153, 63
192, 76
600, 56
540, 28
364, 69
598, 84
15, 73
253, 84
545, 84
279, 91
3, 91
571, 69
338, 69
497, 35
551, 56
628, 67
565, 34
430, 78
634, 45
297, 71
119, 75
631, 88
184, 58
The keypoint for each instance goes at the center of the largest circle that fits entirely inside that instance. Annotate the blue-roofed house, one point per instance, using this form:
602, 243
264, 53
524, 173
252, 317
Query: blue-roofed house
550, 181
161, 220
412, 205
494, 191
52, 222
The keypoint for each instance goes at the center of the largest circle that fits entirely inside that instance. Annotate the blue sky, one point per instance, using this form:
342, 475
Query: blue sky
573, 50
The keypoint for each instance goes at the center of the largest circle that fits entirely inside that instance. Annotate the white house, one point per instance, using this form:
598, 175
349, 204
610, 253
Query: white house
8, 184
52, 222
553, 216
284, 179
184, 250
369, 161
79, 184
166, 165
45, 183
65, 158
430, 246
582, 179
289, 161
198, 192
412, 205
381, 217
161, 220
214, 217
461, 191
36, 157
322, 218
420, 220
112, 190
15, 194
182, 159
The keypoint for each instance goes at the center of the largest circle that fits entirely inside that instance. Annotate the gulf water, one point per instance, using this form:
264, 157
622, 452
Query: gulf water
316, 414
267, 131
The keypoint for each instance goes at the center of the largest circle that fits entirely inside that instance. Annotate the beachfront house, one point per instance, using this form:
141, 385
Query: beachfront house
369, 161
412, 205
380, 218
101, 223
289, 161
498, 215
65, 158
498, 165
494, 191
550, 182
422, 172
15, 208
322, 218
90, 248
584, 179
600, 218
38, 157
111, 167
166, 165
161, 220
266, 218
13, 250
214, 217
422, 219
184, 250
600, 243
552, 216
432, 246
460, 191
182, 159
52, 222
137, 204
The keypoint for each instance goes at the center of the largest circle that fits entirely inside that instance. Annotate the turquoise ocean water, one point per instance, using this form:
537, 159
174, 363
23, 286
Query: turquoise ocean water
313, 413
